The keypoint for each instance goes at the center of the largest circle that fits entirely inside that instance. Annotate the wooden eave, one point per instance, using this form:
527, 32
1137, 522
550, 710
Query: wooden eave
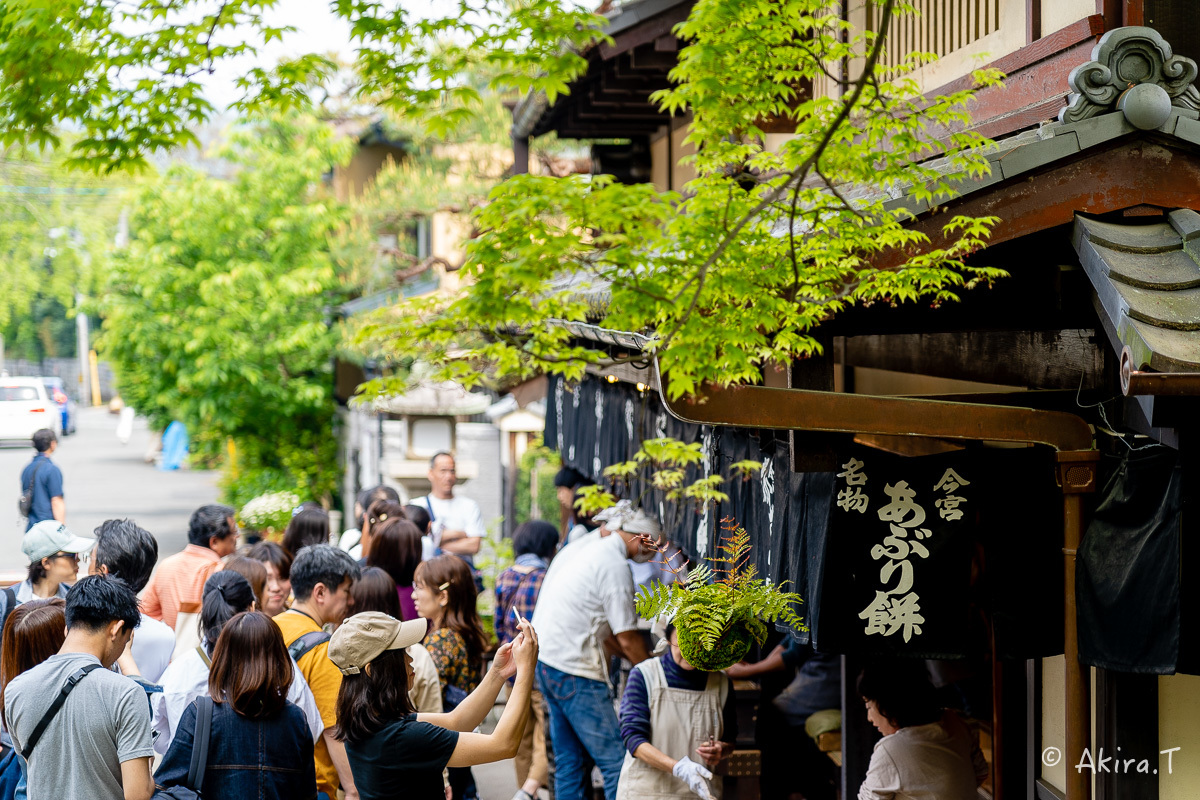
1095, 167
612, 99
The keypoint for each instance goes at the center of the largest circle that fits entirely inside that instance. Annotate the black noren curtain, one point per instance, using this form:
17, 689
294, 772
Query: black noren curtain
1128, 568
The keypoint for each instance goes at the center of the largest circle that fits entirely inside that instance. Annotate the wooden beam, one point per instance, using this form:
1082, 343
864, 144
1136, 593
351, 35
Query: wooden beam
636, 104
646, 32
625, 373
640, 83
648, 117
624, 68
1067, 359
645, 57
1101, 180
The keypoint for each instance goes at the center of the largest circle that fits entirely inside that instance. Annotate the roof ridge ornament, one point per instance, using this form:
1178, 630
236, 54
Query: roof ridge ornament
1124, 58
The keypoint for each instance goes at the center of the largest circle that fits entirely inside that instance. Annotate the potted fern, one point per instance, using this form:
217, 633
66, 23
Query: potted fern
718, 619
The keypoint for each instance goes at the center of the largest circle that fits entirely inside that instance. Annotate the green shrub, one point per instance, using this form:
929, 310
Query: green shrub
545, 464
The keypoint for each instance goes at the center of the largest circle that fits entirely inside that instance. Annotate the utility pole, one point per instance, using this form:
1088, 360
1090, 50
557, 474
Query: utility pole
82, 339
81, 350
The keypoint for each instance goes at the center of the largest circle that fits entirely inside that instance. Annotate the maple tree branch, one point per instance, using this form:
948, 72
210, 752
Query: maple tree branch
796, 175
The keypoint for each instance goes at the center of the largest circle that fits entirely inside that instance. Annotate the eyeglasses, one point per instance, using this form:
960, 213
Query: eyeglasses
73, 556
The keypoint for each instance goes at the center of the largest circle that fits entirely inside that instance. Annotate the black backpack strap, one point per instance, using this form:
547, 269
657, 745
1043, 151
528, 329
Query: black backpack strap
10, 602
301, 647
52, 712
33, 477
204, 715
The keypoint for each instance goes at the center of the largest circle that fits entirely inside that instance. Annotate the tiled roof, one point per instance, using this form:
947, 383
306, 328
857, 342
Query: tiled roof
1147, 281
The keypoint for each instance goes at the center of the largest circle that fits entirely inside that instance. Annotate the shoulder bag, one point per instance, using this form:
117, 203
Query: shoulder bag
25, 503
195, 778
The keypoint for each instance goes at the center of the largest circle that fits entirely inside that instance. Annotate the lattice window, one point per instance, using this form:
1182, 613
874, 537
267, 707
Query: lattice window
941, 27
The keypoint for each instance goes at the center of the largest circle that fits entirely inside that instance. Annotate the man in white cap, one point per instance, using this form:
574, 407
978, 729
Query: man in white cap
609, 519
583, 603
53, 553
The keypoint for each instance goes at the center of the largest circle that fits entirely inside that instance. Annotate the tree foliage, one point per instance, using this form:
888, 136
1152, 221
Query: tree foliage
662, 465
55, 226
217, 313
128, 74
732, 272
760, 248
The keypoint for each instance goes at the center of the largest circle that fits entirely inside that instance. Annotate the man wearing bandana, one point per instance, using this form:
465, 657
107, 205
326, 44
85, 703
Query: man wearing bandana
583, 603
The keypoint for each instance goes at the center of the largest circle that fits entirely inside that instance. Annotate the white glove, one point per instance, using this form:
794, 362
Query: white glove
695, 776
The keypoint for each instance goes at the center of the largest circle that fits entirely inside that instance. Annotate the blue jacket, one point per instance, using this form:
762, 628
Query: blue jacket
269, 759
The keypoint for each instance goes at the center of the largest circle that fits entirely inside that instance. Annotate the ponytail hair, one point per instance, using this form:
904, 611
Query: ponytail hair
226, 593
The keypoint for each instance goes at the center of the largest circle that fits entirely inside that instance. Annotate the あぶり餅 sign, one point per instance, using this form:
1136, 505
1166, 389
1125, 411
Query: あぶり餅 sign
897, 567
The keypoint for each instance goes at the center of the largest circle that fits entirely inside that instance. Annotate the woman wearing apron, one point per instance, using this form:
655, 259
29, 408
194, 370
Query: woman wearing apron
677, 722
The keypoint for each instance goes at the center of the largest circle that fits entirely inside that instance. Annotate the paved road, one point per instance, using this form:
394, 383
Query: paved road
103, 479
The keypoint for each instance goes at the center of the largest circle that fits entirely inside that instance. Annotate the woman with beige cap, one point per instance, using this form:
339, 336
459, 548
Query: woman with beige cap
392, 750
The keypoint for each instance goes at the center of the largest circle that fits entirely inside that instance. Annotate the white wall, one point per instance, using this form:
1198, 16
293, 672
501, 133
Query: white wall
480, 442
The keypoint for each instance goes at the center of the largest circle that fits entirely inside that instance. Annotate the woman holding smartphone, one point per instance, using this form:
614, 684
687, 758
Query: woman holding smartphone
395, 752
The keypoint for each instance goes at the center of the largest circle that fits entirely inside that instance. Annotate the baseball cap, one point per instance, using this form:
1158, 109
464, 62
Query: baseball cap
49, 537
363, 637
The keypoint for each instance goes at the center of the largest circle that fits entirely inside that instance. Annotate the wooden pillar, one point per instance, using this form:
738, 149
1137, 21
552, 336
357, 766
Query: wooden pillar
1033, 20
1076, 476
520, 155
1127, 718
1111, 10
858, 735
1135, 12
1011, 742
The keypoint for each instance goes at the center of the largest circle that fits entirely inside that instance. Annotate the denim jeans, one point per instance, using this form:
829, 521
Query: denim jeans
583, 722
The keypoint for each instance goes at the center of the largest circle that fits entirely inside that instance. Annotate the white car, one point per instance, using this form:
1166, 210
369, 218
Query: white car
25, 407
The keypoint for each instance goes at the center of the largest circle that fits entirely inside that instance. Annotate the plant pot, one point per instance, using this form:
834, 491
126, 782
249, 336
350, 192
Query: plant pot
729, 650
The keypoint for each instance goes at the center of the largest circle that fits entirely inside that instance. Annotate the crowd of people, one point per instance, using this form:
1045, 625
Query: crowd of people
308, 669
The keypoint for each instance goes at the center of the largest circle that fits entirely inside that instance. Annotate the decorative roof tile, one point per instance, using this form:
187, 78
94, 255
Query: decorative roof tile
1147, 281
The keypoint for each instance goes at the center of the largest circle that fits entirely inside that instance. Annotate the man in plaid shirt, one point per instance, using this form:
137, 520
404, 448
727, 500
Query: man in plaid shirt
517, 588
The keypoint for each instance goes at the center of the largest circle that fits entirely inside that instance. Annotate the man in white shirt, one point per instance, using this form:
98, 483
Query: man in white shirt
457, 523
582, 604
129, 552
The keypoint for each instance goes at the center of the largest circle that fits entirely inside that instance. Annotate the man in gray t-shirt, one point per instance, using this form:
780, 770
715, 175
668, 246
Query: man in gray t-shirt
99, 744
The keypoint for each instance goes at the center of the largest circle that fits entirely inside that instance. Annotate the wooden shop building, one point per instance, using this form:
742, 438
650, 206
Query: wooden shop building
1036, 437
